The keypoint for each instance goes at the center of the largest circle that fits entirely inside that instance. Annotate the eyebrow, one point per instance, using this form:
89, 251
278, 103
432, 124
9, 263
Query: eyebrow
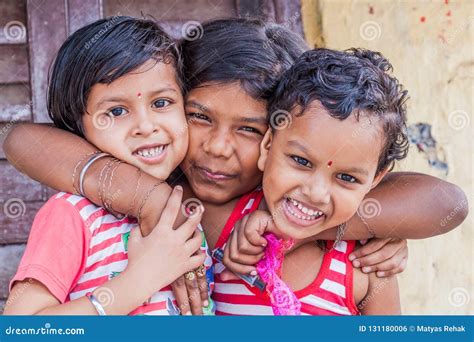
197, 105
123, 99
303, 148
203, 108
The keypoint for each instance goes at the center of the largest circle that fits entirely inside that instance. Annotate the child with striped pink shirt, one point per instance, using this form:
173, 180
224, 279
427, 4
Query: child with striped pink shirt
116, 82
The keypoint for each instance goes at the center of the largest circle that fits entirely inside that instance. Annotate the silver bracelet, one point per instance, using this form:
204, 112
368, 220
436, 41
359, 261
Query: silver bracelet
98, 307
86, 167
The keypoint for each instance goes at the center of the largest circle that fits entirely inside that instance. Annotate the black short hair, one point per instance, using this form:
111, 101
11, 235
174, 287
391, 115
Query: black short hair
101, 52
246, 50
345, 82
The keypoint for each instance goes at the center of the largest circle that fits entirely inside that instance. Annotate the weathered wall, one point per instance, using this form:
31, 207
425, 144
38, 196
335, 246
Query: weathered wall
430, 44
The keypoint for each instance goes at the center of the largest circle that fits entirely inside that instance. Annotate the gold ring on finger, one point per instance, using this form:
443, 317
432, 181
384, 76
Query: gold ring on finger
201, 271
190, 275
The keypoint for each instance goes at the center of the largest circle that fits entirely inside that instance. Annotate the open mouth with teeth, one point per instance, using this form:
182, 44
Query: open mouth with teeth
152, 154
300, 214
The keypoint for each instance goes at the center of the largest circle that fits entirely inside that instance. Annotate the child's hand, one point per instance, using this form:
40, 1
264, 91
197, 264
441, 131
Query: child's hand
245, 246
166, 253
385, 256
191, 293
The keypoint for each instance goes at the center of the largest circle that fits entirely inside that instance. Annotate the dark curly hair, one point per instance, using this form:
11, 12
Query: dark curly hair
346, 82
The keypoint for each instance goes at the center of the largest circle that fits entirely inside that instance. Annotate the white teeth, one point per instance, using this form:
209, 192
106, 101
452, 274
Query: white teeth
151, 152
310, 214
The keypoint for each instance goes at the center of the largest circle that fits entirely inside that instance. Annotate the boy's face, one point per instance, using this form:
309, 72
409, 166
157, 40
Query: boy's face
318, 170
139, 118
226, 126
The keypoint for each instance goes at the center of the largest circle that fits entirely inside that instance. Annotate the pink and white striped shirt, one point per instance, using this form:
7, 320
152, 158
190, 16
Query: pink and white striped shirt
330, 293
75, 246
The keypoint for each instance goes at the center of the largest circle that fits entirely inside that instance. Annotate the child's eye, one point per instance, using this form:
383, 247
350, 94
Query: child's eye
117, 111
346, 178
160, 103
250, 129
301, 161
199, 116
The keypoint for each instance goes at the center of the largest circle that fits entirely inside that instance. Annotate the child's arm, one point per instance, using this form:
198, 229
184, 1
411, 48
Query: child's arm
412, 205
153, 262
60, 151
382, 297
50, 156
246, 244
407, 205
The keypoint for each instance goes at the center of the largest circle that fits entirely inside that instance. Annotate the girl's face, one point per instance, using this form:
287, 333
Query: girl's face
318, 170
226, 126
139, 118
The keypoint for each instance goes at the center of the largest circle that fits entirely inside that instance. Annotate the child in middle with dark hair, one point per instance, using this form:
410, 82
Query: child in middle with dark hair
230, 75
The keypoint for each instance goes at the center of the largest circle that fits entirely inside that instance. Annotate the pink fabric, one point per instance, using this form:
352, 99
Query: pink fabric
283, 300
56, 251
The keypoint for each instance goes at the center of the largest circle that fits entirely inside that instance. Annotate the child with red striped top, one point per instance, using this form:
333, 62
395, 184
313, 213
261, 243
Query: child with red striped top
116, 82
341, 129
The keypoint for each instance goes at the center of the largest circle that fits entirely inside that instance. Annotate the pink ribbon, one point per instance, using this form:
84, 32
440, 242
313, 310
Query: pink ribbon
284, 301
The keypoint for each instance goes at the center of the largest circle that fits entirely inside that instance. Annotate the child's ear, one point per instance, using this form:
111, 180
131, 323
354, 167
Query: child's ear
378, 178
264, 149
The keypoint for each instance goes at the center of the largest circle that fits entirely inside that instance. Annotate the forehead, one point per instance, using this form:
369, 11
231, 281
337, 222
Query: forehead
148, 76
229, 99
355, 141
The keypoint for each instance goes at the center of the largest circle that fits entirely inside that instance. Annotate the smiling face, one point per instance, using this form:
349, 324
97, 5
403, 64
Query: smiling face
139, 119
226, 126
318, 170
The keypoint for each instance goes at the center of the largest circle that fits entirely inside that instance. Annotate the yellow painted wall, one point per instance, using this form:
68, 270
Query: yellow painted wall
430, 44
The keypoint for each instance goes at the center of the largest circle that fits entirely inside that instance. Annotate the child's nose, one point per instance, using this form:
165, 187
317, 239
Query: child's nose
318, 190
144, 125
218, 145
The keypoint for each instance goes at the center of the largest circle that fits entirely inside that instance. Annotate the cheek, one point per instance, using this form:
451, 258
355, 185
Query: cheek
346, 203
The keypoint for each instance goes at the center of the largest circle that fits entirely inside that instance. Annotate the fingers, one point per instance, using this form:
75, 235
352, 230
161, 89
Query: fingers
171, 210
181, 295
194, 295
237, 257
202, 284
193, 245
387, 258
388, 268
369, 248
251, 240
235, 267
188, 228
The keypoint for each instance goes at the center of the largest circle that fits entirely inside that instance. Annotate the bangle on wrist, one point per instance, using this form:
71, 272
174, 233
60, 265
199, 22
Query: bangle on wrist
98, 307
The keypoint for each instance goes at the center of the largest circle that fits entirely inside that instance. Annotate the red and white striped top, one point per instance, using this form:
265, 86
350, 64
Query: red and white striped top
75, 247
329, 294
